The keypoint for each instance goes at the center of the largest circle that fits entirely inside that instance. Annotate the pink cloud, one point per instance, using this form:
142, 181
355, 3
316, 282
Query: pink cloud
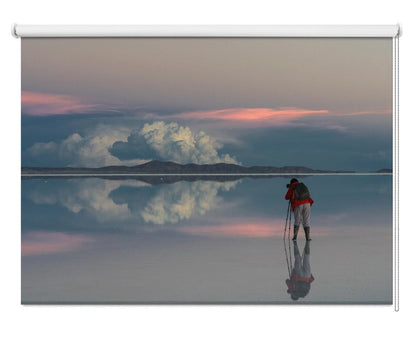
41, 104
361, 113
260, 116
38, 242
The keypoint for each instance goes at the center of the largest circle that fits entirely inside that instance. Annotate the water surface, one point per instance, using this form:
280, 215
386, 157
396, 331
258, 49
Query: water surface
164, 240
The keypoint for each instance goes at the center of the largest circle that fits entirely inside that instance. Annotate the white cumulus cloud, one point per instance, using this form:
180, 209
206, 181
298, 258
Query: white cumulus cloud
110, 146
171, 141
90, 150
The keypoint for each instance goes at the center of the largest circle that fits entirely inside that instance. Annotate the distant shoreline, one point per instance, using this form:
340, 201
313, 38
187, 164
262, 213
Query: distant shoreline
198, 174
161, 168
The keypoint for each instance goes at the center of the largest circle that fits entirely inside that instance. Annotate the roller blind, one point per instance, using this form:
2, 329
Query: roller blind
192, 164
206, 30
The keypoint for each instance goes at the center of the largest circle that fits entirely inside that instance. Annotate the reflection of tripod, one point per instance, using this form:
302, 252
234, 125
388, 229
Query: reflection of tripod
288, 257
288, 217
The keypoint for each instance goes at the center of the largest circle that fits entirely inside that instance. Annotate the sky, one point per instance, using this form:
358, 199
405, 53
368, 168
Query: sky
324, 103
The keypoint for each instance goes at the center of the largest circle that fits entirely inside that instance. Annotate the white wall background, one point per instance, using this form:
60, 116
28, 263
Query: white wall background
197, 320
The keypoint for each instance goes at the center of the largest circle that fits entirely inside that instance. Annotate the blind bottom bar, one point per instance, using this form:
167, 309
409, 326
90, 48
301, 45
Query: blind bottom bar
205, 30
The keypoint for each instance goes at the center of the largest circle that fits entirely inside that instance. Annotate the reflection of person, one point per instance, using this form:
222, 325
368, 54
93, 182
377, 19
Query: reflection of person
301, 277
301, 203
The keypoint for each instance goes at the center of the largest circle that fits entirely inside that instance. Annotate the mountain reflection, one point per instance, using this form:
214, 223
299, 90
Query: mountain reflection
149, 203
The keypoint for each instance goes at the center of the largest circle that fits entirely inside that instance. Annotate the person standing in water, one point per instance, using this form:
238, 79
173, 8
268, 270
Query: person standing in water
301, 202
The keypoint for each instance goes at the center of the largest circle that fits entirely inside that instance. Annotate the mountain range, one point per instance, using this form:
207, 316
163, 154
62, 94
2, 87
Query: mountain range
168, 167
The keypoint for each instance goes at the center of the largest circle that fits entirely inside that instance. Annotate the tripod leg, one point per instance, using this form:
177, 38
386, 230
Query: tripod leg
287, 216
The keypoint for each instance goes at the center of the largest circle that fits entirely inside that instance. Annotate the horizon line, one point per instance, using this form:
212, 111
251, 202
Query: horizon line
198, 174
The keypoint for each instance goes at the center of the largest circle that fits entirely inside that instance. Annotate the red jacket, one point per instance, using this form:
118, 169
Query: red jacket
290, 195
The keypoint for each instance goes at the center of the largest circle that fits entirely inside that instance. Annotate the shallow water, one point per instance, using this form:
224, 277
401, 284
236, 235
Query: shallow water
95, 240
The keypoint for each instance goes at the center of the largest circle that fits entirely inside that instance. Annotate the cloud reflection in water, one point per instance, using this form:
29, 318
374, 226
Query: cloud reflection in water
133, 200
